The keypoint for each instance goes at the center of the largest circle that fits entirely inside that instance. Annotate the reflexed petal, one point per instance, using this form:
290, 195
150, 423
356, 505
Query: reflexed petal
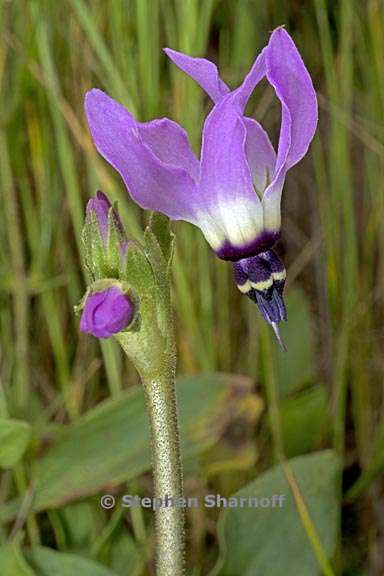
271, 201
242, 94
152, 183
293, 85
260, 152
202, 71
226, 181
260, 155
169, 142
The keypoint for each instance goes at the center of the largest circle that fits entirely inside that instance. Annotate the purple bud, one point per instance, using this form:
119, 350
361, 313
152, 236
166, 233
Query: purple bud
106, 313
100, 206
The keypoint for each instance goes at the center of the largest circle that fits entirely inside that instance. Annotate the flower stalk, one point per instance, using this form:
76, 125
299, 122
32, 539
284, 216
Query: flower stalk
154, 354
167, 473
160, 396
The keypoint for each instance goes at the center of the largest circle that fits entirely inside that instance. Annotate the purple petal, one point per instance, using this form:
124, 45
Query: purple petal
271, 202
91, 304
259, 150
242, 94
152, 183
234, 210
293, 85
202, 71
260, 155
170, 143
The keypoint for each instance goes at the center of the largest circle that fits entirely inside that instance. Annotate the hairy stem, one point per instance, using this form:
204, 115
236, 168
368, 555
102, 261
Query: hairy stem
167, 472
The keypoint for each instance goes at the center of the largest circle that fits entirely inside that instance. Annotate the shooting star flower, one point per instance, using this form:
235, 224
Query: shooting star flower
233, 193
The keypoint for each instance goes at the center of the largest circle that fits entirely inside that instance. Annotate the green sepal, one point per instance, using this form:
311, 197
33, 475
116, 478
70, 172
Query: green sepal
113, 252
147, 270
78, 308
93, 246
138, 270
149, 281
160, 226
159, 247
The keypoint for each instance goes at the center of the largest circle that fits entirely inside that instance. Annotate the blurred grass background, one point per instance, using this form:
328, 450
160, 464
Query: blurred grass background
333, 244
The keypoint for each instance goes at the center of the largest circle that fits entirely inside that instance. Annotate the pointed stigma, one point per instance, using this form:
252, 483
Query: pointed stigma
276, 330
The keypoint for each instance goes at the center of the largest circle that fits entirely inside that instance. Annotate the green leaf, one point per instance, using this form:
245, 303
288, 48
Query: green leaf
52, 563
305, 420
82, 462
80, 524
295, 368
125, 557
14, 439
12, 562
272, 541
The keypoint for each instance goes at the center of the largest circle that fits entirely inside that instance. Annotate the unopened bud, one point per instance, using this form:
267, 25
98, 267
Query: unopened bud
107, 312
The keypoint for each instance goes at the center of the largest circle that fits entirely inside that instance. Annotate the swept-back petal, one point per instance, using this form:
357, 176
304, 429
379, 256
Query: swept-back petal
290, 79
152, 183
170, 143
260, 153
257, 72
226, 185
259, 150
293, 86
202, 71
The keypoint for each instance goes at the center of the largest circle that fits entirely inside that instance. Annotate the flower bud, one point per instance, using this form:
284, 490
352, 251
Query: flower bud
101, 206
104, 238
107, 312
